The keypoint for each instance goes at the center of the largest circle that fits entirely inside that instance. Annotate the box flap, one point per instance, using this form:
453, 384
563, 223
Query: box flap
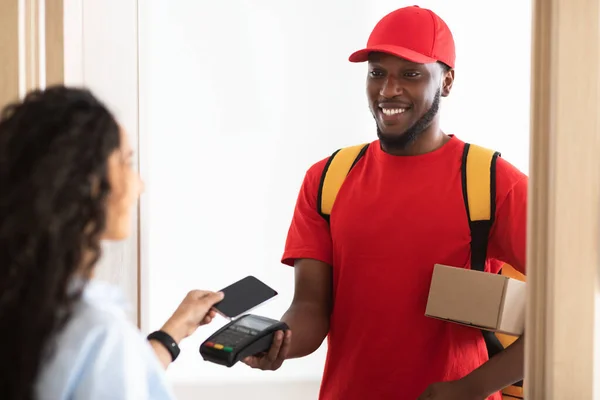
512, 317
466, 296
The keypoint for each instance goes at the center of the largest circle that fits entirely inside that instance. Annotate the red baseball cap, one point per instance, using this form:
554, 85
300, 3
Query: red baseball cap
413, 33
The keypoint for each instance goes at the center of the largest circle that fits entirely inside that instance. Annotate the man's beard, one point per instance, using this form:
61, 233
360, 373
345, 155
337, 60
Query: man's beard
401, 142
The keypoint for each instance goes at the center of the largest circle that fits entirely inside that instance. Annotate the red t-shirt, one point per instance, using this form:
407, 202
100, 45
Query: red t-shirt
394, 218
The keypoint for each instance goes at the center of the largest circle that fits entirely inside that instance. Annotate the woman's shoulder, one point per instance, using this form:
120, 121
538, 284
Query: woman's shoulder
98, 348
103, 304
100, 316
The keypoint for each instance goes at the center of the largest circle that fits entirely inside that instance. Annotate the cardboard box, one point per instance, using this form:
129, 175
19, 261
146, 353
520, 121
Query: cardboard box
487, 301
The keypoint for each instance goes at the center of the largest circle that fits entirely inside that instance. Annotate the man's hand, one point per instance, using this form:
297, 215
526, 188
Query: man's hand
453, 390
502, 370
276, 355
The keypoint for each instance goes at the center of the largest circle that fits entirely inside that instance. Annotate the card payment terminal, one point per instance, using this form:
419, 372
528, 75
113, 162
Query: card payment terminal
246, 336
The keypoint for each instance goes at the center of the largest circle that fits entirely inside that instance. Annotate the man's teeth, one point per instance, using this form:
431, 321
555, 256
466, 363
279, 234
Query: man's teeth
393, 111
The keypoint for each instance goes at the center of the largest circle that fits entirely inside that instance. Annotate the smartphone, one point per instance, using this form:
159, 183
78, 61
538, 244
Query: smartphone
242, 296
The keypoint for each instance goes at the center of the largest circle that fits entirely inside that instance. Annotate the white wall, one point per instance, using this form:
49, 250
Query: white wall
238, 98
101, 54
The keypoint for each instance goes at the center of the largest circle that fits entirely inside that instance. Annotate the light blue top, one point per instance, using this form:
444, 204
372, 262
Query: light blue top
100, 354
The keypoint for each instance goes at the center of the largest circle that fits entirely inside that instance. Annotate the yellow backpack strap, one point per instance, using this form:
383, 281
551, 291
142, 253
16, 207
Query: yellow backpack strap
479, 193
336, 169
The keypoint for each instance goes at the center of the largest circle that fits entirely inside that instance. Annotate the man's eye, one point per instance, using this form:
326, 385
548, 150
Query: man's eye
411, 74
376, 74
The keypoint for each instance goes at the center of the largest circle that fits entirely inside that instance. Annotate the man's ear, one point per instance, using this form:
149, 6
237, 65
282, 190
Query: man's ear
447, 81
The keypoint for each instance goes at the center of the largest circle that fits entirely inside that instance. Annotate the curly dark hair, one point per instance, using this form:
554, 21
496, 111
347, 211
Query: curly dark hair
54, 150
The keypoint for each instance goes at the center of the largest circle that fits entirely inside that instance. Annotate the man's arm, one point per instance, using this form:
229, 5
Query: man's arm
307, 317
502, 370
309, 250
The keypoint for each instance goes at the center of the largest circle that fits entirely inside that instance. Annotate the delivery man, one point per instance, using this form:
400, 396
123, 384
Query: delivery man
362, 277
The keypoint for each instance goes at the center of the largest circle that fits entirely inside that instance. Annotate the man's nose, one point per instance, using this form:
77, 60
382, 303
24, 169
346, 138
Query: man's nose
391, 88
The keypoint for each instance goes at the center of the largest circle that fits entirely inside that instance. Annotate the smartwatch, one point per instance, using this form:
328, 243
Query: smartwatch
166, 340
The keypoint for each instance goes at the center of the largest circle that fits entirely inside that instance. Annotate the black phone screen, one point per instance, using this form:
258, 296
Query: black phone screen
242, 296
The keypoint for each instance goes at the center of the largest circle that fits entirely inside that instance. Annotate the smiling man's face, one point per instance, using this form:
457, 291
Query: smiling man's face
404, 97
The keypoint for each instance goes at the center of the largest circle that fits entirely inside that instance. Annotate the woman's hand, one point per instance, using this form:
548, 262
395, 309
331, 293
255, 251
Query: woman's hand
194, 311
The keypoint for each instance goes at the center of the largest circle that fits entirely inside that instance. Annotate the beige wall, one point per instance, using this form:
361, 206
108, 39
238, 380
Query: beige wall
54, 28
26, 62
9, 51
564, 207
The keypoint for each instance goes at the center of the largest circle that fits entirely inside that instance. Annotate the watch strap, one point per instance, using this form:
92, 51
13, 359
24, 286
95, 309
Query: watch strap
167, 341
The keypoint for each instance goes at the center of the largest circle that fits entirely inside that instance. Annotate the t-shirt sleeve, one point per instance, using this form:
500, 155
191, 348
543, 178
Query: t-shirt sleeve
308, 235
120, 366
509, 232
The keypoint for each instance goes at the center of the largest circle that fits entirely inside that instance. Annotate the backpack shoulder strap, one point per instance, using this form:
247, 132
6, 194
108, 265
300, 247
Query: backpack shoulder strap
478, 172
336, 169
479, 193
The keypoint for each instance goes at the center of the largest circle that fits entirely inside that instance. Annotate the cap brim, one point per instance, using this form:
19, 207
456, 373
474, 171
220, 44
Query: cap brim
402, 52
